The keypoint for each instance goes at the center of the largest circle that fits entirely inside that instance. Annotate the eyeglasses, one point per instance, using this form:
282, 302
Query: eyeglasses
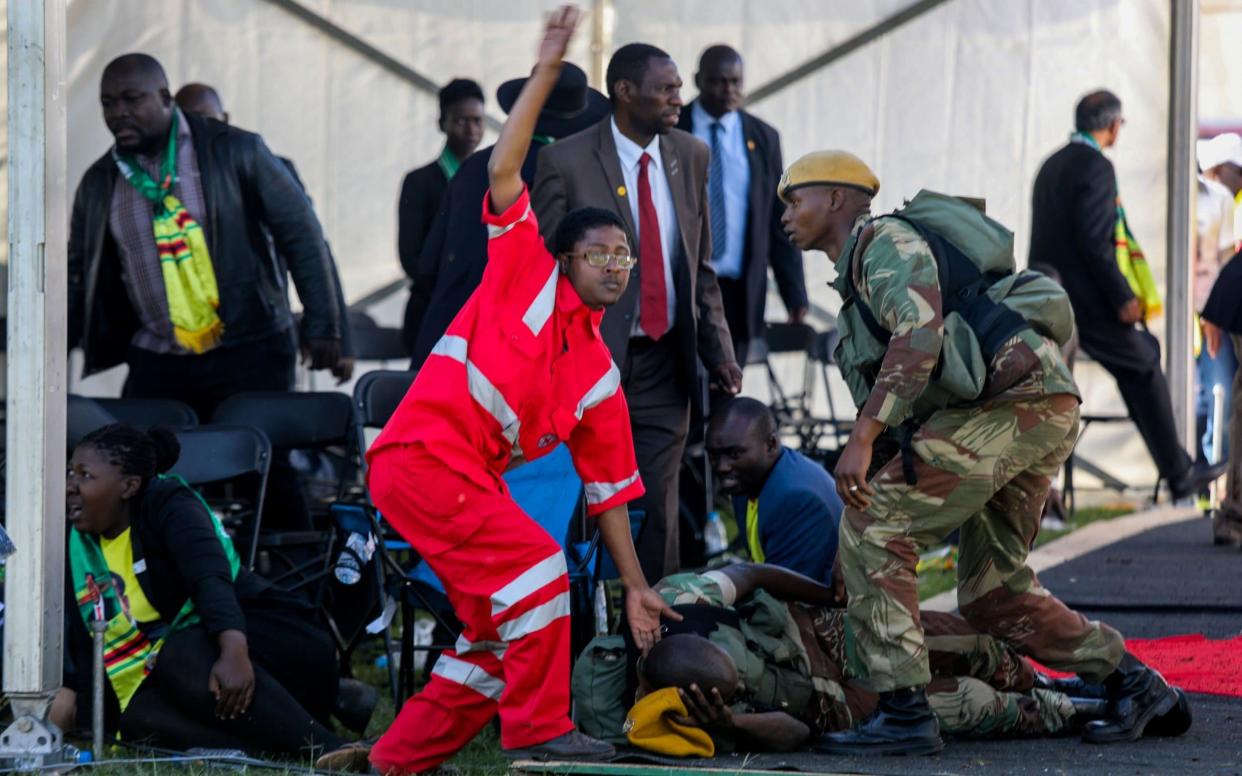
601, 259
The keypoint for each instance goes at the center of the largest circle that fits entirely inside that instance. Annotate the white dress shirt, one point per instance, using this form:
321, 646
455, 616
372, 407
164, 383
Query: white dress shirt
629, 153
736, 159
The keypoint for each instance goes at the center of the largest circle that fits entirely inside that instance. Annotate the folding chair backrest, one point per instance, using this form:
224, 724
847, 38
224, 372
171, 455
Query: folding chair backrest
211, 454
822, 348
144, 413
84, 415
377, 394
789, 337
373, 342
549, 490
292, 420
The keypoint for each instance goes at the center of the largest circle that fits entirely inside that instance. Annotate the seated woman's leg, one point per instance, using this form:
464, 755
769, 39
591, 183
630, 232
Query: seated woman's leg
275, 721
297, 652
151, 718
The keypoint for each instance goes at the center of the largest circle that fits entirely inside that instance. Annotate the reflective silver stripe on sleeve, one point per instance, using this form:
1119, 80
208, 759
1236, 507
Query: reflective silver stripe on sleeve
540, 310
452, 346
469, 675
536, 619
481, 389
465, 645
542, 573
599, 492
603, 389
494, 231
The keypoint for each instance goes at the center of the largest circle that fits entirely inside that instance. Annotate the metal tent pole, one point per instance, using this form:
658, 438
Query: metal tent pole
1183, 130
35, 411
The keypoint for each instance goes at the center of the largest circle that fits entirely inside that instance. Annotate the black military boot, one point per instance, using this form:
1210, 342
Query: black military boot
903, 723
1136, 695
1073, 686
1174, 722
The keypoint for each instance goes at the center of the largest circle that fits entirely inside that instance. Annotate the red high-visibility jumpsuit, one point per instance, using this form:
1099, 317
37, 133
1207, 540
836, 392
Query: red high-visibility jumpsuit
521, 369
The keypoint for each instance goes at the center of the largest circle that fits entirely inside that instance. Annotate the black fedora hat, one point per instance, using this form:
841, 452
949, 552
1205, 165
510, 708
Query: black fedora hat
571, 107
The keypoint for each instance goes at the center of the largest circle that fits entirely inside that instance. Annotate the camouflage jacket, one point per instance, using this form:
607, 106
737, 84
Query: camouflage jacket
895, 275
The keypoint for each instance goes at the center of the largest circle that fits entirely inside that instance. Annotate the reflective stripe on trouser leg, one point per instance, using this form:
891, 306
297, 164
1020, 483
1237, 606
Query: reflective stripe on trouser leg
420, 500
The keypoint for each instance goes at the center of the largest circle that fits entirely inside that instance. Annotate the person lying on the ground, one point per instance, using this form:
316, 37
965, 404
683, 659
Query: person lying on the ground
202, 653
764, 662
786, 505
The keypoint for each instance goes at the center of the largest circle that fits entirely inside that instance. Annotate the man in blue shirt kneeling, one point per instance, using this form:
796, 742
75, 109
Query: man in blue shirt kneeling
786, 505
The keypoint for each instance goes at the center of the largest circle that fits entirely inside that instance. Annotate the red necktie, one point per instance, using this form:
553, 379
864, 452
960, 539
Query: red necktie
653, 296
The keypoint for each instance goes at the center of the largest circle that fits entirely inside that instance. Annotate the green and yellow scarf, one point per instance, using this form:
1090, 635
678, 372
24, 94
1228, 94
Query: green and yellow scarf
1130, 259
189, 277
129, 654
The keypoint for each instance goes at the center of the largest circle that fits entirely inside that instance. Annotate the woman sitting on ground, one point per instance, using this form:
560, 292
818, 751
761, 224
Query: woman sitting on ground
240, 665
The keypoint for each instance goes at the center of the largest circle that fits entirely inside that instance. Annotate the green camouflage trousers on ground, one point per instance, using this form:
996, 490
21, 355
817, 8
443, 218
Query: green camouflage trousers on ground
987, 470
971, 708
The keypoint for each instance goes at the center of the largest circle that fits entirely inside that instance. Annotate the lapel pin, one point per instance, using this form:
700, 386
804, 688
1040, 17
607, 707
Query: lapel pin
620, 191
750, 145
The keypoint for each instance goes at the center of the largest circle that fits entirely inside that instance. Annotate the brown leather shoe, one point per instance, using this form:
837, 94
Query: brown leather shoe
351, 758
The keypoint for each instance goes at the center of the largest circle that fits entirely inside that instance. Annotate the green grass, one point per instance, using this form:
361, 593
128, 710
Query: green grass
934, 581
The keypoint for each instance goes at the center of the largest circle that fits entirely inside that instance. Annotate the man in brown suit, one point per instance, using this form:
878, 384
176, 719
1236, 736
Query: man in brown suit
655, 177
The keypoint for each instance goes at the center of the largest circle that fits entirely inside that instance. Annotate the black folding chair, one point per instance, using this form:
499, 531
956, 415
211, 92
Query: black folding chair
376, 397
84, 415
223, 454
373, 342
317, 422
784, 338
144, 413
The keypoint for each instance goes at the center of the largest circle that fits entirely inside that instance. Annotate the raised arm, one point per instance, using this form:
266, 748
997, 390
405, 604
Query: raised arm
504, 170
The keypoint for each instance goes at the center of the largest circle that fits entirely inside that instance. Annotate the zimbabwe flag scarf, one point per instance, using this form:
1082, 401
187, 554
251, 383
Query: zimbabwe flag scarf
129, 655
189, 277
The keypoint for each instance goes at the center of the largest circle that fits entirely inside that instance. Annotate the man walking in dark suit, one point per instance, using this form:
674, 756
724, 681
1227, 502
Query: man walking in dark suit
1073, 229
655, 177
461, 121
742, 175
451, 262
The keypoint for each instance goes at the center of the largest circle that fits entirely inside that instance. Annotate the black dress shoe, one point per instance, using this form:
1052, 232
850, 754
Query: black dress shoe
1074, 686
1172, 723
1137, 695
355, 702
574, 745
1196, 478
903, 723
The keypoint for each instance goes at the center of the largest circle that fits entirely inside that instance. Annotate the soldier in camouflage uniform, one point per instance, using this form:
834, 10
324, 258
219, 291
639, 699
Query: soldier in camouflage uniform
796, 668
982, 465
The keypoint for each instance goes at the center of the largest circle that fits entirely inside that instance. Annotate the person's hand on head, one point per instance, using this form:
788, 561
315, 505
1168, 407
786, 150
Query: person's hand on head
706, 711
728, 378
557, 33
321, 352
643, 609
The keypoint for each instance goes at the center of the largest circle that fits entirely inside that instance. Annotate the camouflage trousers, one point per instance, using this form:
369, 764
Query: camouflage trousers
985, 470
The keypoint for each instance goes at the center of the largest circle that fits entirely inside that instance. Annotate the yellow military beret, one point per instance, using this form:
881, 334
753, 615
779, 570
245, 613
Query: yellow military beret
828, 168
650, 725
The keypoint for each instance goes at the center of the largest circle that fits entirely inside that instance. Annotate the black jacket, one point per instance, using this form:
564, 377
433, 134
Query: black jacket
766, 242
1074, 215
1224, 304
450, 265
176, 538
249, 194
422, 192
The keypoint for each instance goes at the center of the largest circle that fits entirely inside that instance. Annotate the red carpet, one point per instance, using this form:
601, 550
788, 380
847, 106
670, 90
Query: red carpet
1193, 662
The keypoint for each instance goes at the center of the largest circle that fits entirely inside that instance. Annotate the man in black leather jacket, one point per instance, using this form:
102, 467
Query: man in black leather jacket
239, 192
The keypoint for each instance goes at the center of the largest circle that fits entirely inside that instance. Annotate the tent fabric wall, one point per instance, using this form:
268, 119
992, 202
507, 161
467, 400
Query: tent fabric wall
969, 98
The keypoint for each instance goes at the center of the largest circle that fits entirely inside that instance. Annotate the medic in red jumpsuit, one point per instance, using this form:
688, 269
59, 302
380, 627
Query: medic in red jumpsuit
521, 369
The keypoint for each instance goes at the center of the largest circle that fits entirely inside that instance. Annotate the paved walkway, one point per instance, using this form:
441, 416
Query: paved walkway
1149, 575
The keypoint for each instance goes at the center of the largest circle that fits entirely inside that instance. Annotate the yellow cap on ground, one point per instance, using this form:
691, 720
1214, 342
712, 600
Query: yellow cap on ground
828, 168
650, 726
